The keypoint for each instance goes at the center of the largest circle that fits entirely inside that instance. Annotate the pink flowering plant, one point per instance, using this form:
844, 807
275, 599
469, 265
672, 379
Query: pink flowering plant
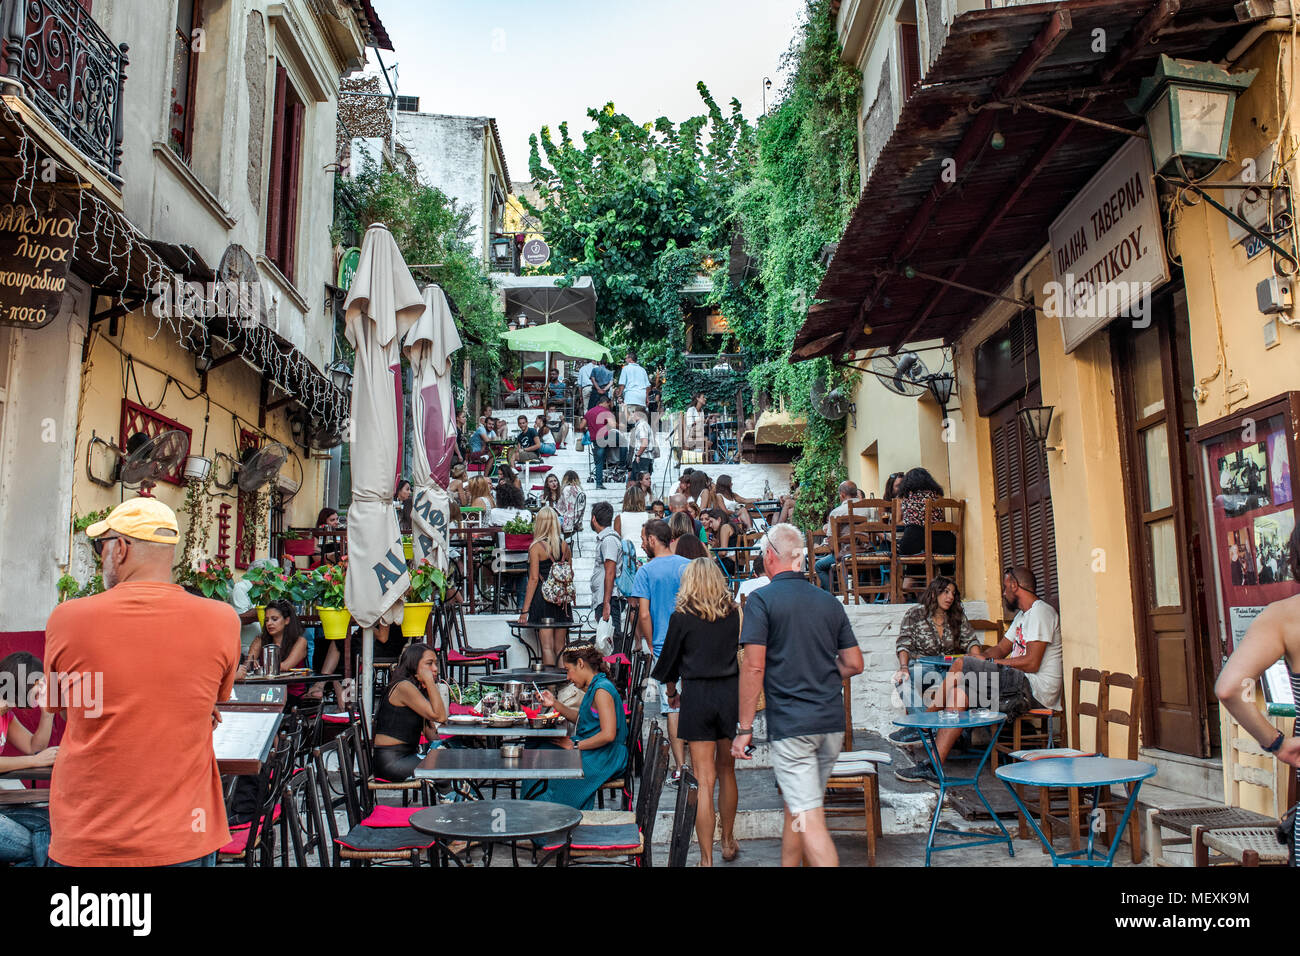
267, 584
329, 580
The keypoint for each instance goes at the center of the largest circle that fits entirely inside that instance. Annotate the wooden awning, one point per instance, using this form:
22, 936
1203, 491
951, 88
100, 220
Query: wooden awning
982, 222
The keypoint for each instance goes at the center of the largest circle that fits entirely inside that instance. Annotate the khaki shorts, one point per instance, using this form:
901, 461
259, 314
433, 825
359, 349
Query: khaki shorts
803, 767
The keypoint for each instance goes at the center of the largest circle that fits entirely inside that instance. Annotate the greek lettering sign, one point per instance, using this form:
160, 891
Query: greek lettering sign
1107, 248
536, 252
348, 267
35, 252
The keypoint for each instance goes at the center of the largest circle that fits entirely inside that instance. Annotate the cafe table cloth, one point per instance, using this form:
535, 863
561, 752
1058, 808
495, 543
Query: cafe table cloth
430, 344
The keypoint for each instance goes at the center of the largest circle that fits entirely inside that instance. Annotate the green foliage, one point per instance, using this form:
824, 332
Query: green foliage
212, 580
267, 584
69, 587
518, 526
430, 229
631, 192
427, 579
82, 522
327, 582
800, 197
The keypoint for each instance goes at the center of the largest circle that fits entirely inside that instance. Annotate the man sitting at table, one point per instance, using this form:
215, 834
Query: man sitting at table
1022, 673
136, 781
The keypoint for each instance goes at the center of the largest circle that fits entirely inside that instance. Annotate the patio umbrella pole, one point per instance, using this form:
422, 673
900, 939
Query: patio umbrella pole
367, 674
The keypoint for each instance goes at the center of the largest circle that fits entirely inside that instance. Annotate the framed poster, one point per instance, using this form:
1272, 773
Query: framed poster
1245, 467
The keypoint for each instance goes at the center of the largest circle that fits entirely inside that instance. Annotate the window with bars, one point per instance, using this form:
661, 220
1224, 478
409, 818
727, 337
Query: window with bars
282, 194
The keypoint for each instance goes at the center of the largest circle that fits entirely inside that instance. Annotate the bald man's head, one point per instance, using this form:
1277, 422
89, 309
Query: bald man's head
848, 491
676, 503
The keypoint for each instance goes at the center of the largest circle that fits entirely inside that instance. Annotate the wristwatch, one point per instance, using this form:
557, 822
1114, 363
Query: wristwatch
1276, 745
743, 731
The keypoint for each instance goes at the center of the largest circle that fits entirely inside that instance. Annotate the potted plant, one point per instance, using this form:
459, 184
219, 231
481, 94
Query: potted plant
408, 547
214, 580
303, 590
298, 544
426, 580
334, 616
266, 584
519, 534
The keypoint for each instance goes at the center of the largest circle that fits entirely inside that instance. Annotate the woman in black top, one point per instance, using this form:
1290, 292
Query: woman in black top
700, 652
412, 706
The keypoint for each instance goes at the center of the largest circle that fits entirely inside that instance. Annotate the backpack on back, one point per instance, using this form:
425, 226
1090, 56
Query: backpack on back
627, 566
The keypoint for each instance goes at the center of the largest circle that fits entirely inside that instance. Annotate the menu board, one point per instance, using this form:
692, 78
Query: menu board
1245, 465
35, 252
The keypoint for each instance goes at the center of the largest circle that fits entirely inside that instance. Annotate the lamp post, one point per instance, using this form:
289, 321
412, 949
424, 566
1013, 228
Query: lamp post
341, 376
1037, 419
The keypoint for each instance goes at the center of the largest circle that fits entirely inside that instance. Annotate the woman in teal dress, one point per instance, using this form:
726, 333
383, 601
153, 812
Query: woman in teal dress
601, 734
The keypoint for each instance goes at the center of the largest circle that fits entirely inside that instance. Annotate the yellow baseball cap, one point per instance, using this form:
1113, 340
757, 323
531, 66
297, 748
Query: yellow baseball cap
145, 519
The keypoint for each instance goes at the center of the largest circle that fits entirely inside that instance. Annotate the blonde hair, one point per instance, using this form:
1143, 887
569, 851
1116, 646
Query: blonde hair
480, 487
704, 592
546, 527
634, 499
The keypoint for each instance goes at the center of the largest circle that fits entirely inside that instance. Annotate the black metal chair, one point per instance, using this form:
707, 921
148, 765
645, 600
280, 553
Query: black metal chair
688, 799
622, 785
458, 656
256, 839
300, 814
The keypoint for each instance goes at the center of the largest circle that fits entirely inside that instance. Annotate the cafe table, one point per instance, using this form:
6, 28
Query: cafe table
476, 765
488, 822
463, 536
466, 729
928, 724
1096, 773
290, 679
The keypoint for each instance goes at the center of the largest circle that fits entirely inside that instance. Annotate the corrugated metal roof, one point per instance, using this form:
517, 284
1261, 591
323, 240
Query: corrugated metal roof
983, 227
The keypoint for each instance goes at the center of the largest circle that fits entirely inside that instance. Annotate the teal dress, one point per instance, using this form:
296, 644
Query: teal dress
598, 765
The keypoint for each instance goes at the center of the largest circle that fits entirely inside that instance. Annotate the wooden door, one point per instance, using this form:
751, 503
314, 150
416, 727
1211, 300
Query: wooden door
1026, 528
1154, 369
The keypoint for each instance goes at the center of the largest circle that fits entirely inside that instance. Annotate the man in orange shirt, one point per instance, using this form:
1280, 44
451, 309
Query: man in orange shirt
139, 670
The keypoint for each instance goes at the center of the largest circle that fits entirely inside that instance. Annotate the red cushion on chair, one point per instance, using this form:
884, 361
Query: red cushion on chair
388, 816
239, 833
477, 466
460, 708
603, 836
456, 657
617, 659
336, 718
540, 468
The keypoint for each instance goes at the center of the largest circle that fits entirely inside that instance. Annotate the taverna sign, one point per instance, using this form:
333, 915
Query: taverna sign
1107, 248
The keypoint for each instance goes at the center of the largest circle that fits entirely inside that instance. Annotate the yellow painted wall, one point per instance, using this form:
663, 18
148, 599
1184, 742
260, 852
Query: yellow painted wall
234, 386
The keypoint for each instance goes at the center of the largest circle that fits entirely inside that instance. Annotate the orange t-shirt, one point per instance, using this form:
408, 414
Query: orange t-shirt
136, 781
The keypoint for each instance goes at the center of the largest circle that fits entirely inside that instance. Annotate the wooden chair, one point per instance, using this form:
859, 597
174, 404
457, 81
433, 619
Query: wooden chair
941, 514
1195, 824
817, 546
854, 785
688, 800
305, 836
253, 843
621, 786
861, 570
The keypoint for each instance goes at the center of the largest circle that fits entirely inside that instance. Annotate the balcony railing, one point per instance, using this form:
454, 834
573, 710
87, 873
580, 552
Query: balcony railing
71, 70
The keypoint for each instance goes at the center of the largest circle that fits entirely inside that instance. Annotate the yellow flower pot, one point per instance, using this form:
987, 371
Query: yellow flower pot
334, 622
261, 616
415, 618
408, 547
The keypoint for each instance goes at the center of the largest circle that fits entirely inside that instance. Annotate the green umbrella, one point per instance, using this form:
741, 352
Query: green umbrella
554, 337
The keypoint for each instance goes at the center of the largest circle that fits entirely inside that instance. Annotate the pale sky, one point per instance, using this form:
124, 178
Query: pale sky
545, 61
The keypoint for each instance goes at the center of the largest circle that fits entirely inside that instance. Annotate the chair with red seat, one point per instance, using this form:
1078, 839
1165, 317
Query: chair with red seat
459, 656
256, 838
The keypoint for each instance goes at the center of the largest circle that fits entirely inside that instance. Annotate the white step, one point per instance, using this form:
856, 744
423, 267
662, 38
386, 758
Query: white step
1200, 778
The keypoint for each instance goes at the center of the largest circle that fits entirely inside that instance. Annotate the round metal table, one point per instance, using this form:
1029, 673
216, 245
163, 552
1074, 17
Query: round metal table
498, 821
929, 724
1097, 773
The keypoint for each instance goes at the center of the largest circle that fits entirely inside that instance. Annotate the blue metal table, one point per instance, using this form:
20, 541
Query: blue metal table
929, 724
1094, 772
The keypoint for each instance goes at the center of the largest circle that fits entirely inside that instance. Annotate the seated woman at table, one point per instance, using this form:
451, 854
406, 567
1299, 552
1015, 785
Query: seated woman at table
458, 486
699, 656
722, 534
600, 730
282, 628
330, 550
936, 625
480, 493
510, 505
414, 705
559, 427
24, 830
788, 503
701, 490
404, 504
545, 437
916, 489
550, 570
552, 493
732, 503
572, 500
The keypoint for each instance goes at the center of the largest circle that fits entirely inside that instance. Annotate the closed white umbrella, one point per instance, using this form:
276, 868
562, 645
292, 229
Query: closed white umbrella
383, 303
429, 348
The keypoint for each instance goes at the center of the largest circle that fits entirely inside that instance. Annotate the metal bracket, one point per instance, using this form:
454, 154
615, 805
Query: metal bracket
1199, 189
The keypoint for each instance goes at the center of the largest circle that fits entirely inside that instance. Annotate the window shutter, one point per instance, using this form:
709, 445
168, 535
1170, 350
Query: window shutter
293, 148
274, 197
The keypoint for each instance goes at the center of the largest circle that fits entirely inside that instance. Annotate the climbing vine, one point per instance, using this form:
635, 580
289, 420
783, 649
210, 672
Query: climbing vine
798, 200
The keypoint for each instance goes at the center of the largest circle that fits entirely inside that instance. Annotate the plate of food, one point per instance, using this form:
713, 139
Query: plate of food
508, 718
463, 719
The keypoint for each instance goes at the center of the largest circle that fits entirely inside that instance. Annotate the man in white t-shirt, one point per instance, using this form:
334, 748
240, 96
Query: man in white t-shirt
605, 600
635, 384
1022, 673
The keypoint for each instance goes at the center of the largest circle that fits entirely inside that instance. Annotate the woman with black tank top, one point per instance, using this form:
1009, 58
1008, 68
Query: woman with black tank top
413, 706
1274, 635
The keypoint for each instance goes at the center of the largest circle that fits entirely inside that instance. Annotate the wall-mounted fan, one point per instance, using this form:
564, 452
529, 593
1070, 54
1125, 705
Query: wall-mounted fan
144, 460
831, 404
261, 466
903, 374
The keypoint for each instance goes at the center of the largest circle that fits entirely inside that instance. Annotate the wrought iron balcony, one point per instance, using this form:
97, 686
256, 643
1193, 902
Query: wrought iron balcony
70, 69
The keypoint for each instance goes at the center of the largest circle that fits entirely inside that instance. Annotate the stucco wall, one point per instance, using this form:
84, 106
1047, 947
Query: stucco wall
449, 155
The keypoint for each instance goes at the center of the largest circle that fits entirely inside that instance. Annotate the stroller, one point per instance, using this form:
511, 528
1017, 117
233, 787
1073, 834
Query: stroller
615, 471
